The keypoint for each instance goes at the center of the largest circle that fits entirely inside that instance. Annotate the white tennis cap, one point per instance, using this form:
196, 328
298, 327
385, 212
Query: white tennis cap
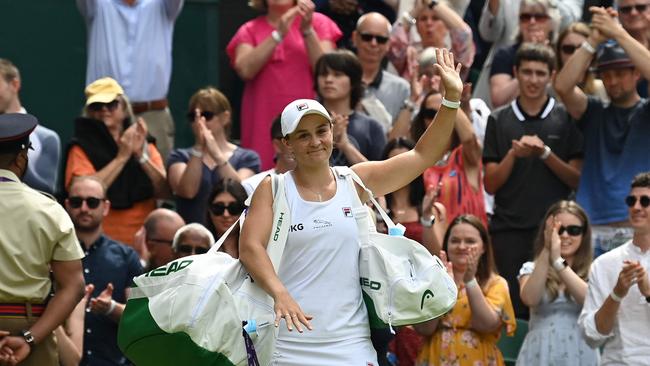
294, 111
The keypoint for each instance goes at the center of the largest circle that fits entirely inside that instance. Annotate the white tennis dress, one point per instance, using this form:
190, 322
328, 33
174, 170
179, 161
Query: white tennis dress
321, 272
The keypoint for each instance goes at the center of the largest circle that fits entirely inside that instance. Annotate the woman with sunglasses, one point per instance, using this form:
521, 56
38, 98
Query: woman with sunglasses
567, 43
316, 290
110, 144
538, 22
468, 334
554, 287
193, 172
192, 239
275, 54
226, 203
455, 180
438, 26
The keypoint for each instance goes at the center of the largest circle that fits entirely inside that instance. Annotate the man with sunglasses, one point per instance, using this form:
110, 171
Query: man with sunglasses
36, 238
109, 267
635, 18
386, 94
616, 133
616, 311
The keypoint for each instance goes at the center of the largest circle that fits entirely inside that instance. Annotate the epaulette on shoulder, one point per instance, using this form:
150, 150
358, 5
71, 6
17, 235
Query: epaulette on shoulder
47, 195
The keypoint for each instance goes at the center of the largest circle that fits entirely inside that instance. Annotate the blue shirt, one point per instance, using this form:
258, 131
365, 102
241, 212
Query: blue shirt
617, 147
131, 44
366, 134
196, 209
107, 261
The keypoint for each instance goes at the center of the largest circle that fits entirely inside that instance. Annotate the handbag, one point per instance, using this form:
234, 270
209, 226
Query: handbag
205, 309
402, 282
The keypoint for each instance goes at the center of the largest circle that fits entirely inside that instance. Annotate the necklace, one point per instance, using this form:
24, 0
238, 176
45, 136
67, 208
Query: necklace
320, 197
318, 194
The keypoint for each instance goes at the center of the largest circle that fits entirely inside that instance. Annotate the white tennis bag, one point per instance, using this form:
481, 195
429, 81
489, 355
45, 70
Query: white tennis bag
205, 309
402, 282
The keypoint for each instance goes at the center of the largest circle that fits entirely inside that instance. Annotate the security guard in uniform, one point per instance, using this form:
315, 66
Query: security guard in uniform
36, 236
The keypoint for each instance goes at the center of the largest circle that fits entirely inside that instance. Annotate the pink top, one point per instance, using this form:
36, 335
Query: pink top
456, 193
287, 76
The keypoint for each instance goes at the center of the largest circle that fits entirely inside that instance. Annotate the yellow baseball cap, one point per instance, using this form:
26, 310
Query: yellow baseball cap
104, 90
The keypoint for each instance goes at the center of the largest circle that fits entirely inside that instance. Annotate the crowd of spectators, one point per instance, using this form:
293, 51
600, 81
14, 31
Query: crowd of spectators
552, 130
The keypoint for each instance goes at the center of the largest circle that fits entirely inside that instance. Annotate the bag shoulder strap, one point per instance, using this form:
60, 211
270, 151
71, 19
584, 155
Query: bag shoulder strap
352, 178
281, 220
280, 229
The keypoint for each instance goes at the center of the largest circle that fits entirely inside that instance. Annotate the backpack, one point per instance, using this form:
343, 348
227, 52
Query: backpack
205, 309
402, 282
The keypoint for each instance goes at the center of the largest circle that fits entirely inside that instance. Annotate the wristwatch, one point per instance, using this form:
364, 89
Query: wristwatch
29, 338
560, 264
408, 105
433, 3
427, 222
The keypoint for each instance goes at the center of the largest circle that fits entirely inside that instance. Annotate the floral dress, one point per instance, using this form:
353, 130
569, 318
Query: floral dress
455, 343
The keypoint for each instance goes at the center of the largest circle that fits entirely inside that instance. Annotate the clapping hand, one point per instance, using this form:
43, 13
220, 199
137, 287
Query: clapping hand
449, 74
534, 143
340, 126
555, 242
448, 265
472, 264
286, 20
631, 273
520, 149
138, 144
102, 303
306, 10
605, 22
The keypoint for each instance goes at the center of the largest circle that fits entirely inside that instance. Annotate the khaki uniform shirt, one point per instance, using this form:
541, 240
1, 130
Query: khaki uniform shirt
34, 230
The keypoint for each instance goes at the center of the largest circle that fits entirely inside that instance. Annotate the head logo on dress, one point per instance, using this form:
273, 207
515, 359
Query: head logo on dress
302, 106
347, 211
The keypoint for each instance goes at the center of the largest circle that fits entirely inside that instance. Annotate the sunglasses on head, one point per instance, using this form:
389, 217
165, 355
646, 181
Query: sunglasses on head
644, 200
527, 17
234, 208
367, 37
97, 107
205, 114
189, 249
428, 113
569, 49
640, 8
573, 230
91, 202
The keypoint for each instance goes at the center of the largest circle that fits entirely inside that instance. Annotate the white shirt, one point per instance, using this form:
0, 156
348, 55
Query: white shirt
320, 267
629, 341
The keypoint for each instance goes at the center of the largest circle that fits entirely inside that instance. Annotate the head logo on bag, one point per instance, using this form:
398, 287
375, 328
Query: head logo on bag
171, 268
428, 294
373, 285
276, 234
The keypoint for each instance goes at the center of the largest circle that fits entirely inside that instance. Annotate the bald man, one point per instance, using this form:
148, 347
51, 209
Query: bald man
372, 41
157, 234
